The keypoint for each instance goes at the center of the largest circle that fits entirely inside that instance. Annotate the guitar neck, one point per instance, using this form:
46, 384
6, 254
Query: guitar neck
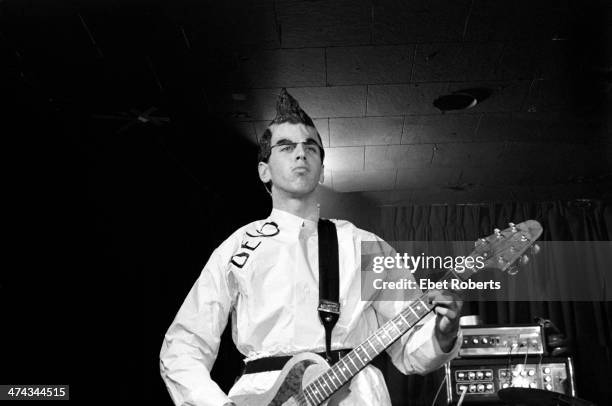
500, 251
340, 373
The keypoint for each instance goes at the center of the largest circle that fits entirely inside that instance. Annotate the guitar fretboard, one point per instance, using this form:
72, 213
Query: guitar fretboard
335, 377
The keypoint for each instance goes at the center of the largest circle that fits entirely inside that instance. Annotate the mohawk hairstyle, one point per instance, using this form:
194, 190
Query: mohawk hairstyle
288, 110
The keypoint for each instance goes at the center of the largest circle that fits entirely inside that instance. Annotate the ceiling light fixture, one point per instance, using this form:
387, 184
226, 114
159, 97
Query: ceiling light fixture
462, 99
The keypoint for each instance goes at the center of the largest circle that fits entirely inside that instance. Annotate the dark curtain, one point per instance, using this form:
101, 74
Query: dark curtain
587, 324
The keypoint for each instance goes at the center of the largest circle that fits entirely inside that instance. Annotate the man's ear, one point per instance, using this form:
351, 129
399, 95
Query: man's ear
264, 172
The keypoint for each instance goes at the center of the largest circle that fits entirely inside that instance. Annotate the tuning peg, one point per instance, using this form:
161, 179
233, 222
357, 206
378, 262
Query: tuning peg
513, 270
513, 227
535, 249
512, 249
480, 241
497, 232
524, 239
501, 259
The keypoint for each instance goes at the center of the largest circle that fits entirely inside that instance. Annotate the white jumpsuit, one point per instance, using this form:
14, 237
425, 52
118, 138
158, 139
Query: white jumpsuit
266, 276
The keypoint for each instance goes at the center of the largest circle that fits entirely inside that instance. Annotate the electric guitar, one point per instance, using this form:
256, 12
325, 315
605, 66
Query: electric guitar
308, 380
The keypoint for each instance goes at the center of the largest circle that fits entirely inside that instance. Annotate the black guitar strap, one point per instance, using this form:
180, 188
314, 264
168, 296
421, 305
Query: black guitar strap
329, 287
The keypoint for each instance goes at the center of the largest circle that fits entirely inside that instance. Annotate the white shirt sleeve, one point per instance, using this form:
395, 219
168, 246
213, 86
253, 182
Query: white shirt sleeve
417, 351
191, 343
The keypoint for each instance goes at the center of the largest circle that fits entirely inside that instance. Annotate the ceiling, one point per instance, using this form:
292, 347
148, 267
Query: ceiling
367, 71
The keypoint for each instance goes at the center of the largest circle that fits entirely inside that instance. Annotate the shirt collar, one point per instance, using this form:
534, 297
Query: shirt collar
289, 221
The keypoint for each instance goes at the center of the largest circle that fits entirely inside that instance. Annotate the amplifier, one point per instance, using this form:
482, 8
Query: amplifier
502, 341
481, 379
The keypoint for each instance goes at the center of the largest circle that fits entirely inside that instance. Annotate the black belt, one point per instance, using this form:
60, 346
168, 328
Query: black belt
277, 363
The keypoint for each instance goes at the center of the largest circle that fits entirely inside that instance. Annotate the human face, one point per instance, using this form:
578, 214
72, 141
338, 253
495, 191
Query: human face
294, 166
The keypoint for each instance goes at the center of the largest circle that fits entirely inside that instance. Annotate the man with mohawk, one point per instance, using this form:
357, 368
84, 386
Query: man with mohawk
266, 276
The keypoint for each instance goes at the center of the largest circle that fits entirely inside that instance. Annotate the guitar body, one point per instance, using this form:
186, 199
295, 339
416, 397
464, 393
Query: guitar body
298, 372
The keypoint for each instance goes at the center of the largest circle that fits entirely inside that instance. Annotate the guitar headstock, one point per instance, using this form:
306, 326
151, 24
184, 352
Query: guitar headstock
503, 248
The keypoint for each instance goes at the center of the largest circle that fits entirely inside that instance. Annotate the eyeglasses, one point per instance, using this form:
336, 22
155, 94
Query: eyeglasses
286, 146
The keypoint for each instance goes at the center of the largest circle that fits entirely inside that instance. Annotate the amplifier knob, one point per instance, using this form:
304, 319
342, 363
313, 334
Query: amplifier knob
546, 370
547, 379
523, 373
503, 373
460, 375
533, 385
475, 341
479, 375
531, 372
485, 340
481, 388
505, 385
463, 388
471, 376
489, 386
489, 374
515, 373
472, 388
548, 386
